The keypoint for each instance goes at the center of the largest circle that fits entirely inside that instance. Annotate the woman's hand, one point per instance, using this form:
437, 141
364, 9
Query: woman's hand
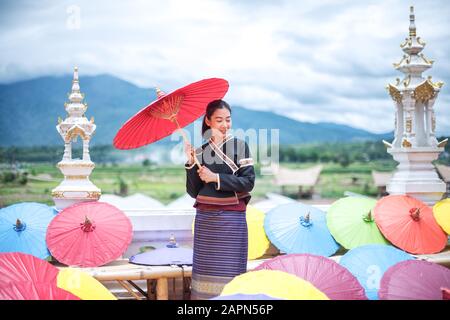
189, 151
207, 175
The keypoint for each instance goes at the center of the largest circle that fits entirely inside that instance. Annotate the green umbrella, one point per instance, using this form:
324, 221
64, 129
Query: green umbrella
352, 224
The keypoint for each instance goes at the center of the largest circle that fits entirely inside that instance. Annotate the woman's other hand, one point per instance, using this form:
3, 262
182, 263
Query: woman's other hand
207, 175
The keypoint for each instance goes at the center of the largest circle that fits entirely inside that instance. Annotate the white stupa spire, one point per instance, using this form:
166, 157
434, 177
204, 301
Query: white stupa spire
76, 186
415, 145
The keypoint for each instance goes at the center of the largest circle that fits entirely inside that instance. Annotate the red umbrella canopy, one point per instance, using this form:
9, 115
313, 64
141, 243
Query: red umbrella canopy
409, 224
17, 267
169, 112
34, 291
325, 274
89, 234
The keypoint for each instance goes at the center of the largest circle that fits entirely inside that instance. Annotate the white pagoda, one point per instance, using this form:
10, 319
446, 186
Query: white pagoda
76, 186
415, 145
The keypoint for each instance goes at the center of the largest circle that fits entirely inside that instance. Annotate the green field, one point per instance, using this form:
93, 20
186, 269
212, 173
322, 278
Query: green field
166, 183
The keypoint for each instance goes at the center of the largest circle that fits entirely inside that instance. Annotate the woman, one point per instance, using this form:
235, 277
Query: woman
221, 188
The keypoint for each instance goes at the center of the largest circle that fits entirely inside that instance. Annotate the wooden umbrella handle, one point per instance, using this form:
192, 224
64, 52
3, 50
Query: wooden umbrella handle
185, 138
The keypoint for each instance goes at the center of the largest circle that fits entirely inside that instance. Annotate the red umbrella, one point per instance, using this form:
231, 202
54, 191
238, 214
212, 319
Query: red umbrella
325, 274
409, 224
415, 280
169, 112
34, 291
17, 267
89, 234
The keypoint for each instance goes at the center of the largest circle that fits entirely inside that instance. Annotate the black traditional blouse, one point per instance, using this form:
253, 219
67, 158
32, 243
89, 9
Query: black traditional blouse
232, 162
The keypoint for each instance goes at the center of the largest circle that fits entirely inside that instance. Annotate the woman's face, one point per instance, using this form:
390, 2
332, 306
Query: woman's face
220, 122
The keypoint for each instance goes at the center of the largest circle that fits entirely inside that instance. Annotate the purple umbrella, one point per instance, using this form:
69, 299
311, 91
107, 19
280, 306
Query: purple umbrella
164, 256
240, 296
325, 274
414, 280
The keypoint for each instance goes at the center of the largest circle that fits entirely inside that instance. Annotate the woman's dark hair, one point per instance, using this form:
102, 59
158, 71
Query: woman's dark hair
210, 109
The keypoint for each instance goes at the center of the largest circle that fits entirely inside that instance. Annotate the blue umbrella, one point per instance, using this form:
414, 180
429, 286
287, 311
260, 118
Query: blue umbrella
368, 264
23, 227
299, 228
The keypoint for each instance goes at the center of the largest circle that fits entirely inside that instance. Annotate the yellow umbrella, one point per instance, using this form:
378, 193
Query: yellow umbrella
83, 285
258, 243
441, 211
277, 284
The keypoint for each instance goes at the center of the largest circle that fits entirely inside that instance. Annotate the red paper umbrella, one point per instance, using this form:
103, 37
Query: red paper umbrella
89, 234
169, 112
34, 291
325, 274
19, 267
409, 224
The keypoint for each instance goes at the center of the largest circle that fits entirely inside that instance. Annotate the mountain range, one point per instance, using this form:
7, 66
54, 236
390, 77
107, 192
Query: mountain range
30, 110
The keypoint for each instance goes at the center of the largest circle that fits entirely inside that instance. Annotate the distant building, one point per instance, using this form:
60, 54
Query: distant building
305, 179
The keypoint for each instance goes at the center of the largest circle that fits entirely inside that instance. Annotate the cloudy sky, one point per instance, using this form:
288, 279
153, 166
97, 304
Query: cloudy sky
317, 61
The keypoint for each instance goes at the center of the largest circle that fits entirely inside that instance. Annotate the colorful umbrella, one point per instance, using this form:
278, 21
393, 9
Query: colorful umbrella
325, 274
441, 212
352, 224
273, 283
239, 296
415, 280
258, 243
409, 224
299, 228
82, 285
23, 227
368, 263
169, 112
89, 234
34, 291
19, 267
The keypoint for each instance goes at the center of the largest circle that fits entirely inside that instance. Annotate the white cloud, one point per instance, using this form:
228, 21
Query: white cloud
314, 61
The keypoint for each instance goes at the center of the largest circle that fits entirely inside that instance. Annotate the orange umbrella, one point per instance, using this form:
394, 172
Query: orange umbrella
409, 224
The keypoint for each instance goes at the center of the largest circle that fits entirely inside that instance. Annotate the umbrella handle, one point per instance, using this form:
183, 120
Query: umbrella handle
185, 138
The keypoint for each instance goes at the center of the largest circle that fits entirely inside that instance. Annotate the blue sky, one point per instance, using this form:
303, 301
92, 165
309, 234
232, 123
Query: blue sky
317, 61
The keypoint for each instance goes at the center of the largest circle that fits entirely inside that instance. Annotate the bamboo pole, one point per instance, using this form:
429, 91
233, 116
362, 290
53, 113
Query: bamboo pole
162, 289
183, 134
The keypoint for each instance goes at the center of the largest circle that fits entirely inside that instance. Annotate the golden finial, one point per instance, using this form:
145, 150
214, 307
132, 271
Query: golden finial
412, 26
59, 120
92, 119
159, 92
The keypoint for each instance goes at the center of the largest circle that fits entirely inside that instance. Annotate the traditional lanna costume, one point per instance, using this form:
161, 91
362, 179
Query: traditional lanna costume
220, 234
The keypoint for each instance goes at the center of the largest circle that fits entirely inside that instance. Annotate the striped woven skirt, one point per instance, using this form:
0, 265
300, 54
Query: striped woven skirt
220, 251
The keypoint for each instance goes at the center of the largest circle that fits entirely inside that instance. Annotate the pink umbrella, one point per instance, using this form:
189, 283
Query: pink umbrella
28, 290
414, 280
89, 234
325, 274
17, 267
